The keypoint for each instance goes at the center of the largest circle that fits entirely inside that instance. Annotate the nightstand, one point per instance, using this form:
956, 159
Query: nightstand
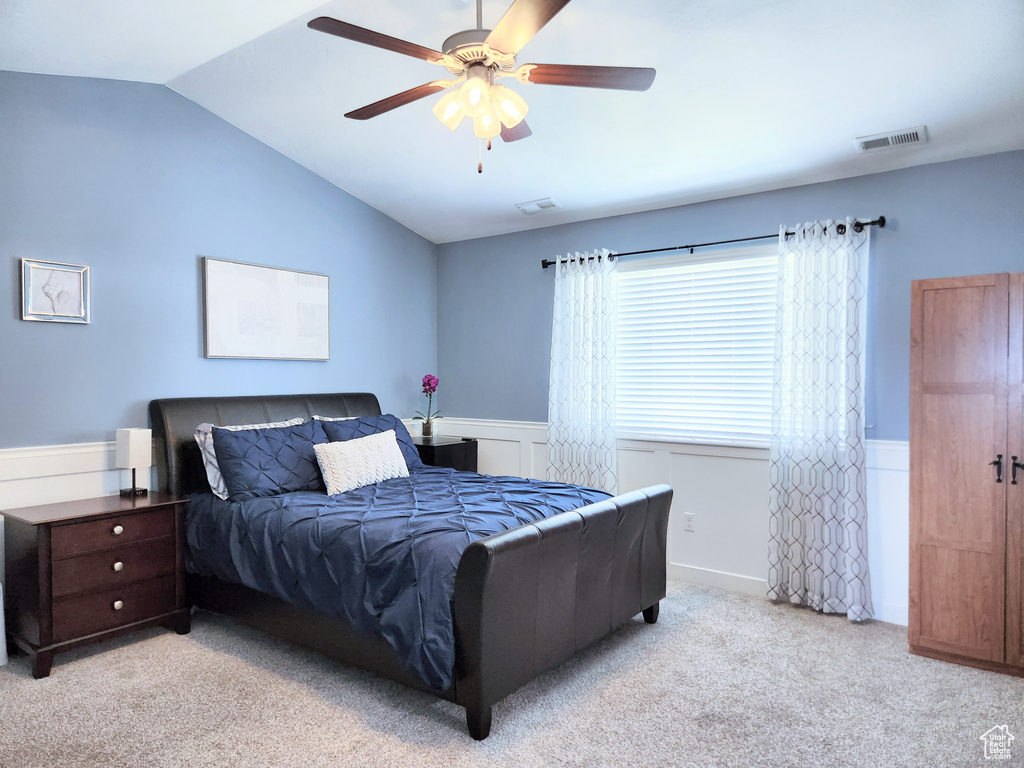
83, 571
455, 452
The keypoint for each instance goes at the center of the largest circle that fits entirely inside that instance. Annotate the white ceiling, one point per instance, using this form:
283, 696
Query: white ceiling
750, 94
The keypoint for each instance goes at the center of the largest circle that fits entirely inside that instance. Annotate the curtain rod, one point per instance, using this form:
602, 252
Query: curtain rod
858, 226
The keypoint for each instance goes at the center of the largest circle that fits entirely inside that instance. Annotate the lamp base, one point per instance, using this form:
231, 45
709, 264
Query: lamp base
131, 493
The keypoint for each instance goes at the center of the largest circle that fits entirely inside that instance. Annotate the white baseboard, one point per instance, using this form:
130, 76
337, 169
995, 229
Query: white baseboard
732, 582
893, 613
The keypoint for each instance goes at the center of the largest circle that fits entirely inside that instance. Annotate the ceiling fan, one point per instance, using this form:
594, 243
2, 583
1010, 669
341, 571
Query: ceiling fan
477, 58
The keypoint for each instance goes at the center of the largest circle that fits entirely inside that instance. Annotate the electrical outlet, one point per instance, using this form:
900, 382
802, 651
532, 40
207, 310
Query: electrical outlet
689, 516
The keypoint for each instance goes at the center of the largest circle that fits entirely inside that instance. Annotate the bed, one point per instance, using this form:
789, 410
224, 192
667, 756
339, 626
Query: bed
524, 596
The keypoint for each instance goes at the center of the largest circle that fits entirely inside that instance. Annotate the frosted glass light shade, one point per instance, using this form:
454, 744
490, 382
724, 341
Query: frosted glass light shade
449, 110
487, 125
475, 96
134, 448
510, 106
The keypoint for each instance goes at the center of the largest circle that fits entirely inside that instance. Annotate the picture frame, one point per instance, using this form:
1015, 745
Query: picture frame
53, 292
258, 312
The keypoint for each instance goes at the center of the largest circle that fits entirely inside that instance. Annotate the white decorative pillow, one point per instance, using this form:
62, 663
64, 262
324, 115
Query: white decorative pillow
334, 418
204, 437
351, 464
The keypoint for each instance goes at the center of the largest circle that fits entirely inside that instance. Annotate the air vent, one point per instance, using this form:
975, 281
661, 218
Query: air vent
892, 139
537, 206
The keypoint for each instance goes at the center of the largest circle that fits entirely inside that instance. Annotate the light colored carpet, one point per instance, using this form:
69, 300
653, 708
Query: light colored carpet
721, 680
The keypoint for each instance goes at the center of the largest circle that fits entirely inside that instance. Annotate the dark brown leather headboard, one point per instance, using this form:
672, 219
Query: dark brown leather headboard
179, 465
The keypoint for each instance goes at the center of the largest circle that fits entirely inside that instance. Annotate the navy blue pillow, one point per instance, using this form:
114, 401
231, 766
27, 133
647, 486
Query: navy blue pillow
339, 431
269, 462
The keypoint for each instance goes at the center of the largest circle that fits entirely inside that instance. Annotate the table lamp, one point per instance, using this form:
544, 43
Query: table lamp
134, 450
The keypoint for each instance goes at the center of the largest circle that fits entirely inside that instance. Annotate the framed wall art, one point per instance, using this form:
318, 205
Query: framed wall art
265, 313
54, 293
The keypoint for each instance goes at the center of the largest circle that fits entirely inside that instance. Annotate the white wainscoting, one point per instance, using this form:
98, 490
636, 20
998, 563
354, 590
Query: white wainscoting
52, 473
725, 489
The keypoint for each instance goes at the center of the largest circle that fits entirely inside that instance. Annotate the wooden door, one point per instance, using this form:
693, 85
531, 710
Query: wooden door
1015, 493
957, 427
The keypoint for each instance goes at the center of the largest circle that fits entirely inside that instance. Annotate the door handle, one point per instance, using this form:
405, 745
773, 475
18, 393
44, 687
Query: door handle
998, 464
1013, 471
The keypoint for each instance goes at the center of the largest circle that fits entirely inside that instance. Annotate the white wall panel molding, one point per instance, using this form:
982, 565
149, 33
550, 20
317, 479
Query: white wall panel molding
51, 460
888, 481
505, 447
724, 488
888, 454
697, 449
51, 473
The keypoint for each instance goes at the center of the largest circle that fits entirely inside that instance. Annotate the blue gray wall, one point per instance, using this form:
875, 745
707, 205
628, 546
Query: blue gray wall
958, 218
137, 182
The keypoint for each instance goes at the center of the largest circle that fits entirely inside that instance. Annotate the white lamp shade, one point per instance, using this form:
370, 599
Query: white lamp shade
134, 448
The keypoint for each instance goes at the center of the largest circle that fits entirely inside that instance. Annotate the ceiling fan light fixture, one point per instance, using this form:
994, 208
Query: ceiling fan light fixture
478, 57
486, 125
449, 110
510, 106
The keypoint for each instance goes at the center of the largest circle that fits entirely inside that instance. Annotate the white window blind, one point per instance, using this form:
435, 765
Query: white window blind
696, 339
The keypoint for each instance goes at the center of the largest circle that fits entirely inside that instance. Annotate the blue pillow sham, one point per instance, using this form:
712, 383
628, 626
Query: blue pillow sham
269, 462
338, 431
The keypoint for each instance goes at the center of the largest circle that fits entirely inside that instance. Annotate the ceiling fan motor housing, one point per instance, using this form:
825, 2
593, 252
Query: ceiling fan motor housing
470, 47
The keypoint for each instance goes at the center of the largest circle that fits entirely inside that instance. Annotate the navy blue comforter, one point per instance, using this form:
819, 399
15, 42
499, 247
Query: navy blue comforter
382, 557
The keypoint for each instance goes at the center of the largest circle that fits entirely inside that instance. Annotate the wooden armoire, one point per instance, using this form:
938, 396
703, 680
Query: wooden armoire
966, 471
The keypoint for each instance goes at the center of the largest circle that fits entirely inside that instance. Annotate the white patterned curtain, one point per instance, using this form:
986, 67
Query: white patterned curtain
817, 550
581, 391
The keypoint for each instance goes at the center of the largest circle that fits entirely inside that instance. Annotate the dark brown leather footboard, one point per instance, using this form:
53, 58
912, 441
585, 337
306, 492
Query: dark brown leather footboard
527, 599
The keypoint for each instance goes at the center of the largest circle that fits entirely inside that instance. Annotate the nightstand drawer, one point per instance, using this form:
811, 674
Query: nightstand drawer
81, 615
78, 538
114, 567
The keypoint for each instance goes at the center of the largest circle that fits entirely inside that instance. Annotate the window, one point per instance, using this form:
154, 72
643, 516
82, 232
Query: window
696, 338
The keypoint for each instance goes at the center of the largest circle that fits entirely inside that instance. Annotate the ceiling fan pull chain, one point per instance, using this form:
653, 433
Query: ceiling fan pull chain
480, 149
488, 145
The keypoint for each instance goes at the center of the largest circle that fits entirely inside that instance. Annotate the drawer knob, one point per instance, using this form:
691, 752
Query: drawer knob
118, 566
118, 605
117, 530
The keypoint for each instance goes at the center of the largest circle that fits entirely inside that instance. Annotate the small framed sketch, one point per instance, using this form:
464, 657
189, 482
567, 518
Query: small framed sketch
54, 293
266, 313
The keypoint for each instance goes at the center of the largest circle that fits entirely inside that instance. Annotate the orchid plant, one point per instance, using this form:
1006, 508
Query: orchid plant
430, 383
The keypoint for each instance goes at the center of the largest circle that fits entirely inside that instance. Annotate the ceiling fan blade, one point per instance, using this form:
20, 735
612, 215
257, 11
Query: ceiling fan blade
398, 100
523, 20
617, 78
376, 39
521, 131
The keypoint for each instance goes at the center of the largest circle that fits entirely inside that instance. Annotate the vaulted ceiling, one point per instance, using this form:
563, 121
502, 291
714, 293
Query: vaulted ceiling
750, 94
